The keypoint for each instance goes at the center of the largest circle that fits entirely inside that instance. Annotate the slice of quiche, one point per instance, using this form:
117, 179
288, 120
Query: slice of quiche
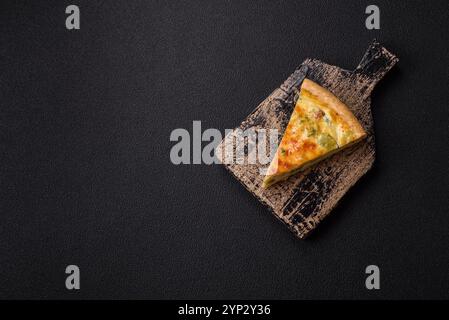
320, 125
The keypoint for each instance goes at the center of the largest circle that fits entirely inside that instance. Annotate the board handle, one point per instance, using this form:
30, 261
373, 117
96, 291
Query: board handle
375, 64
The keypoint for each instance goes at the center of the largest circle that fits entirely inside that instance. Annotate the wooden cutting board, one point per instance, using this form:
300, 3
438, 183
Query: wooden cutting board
305, 199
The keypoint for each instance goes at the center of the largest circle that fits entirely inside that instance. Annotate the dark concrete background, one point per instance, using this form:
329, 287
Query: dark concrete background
86, 178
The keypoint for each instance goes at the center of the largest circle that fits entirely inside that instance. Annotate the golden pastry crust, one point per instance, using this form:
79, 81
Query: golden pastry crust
320, 125
328, 99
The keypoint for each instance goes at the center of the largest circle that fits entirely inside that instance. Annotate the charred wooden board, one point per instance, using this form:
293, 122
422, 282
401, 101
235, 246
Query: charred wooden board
305, 199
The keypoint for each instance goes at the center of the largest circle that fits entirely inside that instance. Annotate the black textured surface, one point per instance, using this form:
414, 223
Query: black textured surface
86, 179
